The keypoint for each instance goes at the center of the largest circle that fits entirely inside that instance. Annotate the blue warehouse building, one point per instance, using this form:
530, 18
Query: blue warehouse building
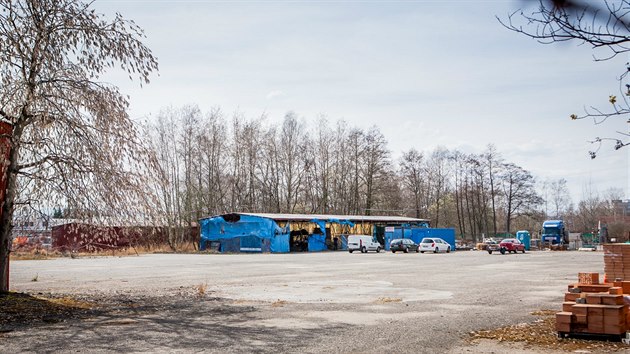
282, 233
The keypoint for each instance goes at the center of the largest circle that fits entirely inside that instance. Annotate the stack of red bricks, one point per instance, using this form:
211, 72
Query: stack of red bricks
617, 261
591, 307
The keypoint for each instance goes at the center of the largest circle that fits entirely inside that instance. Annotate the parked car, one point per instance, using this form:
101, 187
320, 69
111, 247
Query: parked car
508, 245
363, 243
463, 246
483, 246
492, 246
435, 245
403, 244
511, 245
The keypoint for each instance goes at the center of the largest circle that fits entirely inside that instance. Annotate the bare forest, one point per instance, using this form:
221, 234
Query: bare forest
213, 163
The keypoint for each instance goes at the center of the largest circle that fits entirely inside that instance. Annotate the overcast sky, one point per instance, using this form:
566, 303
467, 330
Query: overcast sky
427, 73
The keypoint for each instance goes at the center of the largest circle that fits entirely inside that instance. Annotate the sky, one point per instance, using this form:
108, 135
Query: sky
427, 73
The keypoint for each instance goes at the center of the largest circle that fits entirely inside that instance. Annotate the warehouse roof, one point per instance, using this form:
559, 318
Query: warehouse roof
353, 218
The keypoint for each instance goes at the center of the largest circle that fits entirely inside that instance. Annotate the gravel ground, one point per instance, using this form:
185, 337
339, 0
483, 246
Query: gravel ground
331, 302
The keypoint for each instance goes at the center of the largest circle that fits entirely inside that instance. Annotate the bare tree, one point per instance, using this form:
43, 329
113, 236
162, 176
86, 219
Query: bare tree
213, 148
341, 179
164, 134
479, 193
472, 191
603, 25
437, 173
319, 161
458, 160
72, 139
292, 148
518, 192
243, 159
190, 149
390, 200
411, 171
356, 146
560, 197
270, 176
375, 161
589, 209
493, 161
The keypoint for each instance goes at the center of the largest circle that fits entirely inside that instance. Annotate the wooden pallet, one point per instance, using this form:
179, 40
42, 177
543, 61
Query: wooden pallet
594, 336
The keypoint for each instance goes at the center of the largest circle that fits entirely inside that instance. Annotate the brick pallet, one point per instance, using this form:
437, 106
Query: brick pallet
595, 309
617, 261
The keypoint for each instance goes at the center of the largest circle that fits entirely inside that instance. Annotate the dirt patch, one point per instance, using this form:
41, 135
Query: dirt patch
20, 309
384, 300
279, 303
35, 253
541, 334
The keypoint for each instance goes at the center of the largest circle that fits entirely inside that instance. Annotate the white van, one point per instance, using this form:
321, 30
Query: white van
363, 243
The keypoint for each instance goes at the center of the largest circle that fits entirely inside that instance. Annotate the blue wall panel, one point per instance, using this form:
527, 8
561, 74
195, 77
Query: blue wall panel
230, 245
399, 232
251, 244
280, 244
447, 235
317, 242
344, 242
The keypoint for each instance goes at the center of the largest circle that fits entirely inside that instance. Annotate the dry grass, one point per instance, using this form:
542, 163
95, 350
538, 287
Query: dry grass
242, 302
24, 254
19, 308
27, 255
70, 302
201, 289
279, 303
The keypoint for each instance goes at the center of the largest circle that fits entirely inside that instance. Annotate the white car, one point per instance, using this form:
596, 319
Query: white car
434, 244
363, 243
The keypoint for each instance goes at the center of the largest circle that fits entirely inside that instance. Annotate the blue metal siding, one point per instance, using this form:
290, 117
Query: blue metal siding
317, 242
251, 244
399, 232
447, 235
343, 242
230, 245
280, 244
246, 234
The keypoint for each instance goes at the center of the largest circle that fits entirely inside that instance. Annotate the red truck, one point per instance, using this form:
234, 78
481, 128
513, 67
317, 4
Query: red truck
508, 245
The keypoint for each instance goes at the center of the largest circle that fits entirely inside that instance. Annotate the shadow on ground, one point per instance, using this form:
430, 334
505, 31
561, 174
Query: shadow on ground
162, 323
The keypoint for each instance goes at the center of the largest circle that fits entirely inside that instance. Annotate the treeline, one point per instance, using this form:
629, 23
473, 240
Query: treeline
214, 163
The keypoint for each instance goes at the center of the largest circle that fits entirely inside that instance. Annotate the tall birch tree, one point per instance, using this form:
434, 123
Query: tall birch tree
72, 139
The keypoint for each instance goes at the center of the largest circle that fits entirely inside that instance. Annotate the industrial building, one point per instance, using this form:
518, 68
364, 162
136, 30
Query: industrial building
282, 233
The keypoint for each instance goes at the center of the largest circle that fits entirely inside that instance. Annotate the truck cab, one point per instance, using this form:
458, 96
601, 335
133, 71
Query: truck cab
554, 232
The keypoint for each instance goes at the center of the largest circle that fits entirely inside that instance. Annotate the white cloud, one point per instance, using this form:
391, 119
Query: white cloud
470, 84
274, 94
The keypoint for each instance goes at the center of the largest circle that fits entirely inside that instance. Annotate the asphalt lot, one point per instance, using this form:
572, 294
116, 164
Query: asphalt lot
310, 302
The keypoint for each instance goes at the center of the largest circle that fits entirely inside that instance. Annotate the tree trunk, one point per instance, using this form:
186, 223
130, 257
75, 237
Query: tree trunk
8, 184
